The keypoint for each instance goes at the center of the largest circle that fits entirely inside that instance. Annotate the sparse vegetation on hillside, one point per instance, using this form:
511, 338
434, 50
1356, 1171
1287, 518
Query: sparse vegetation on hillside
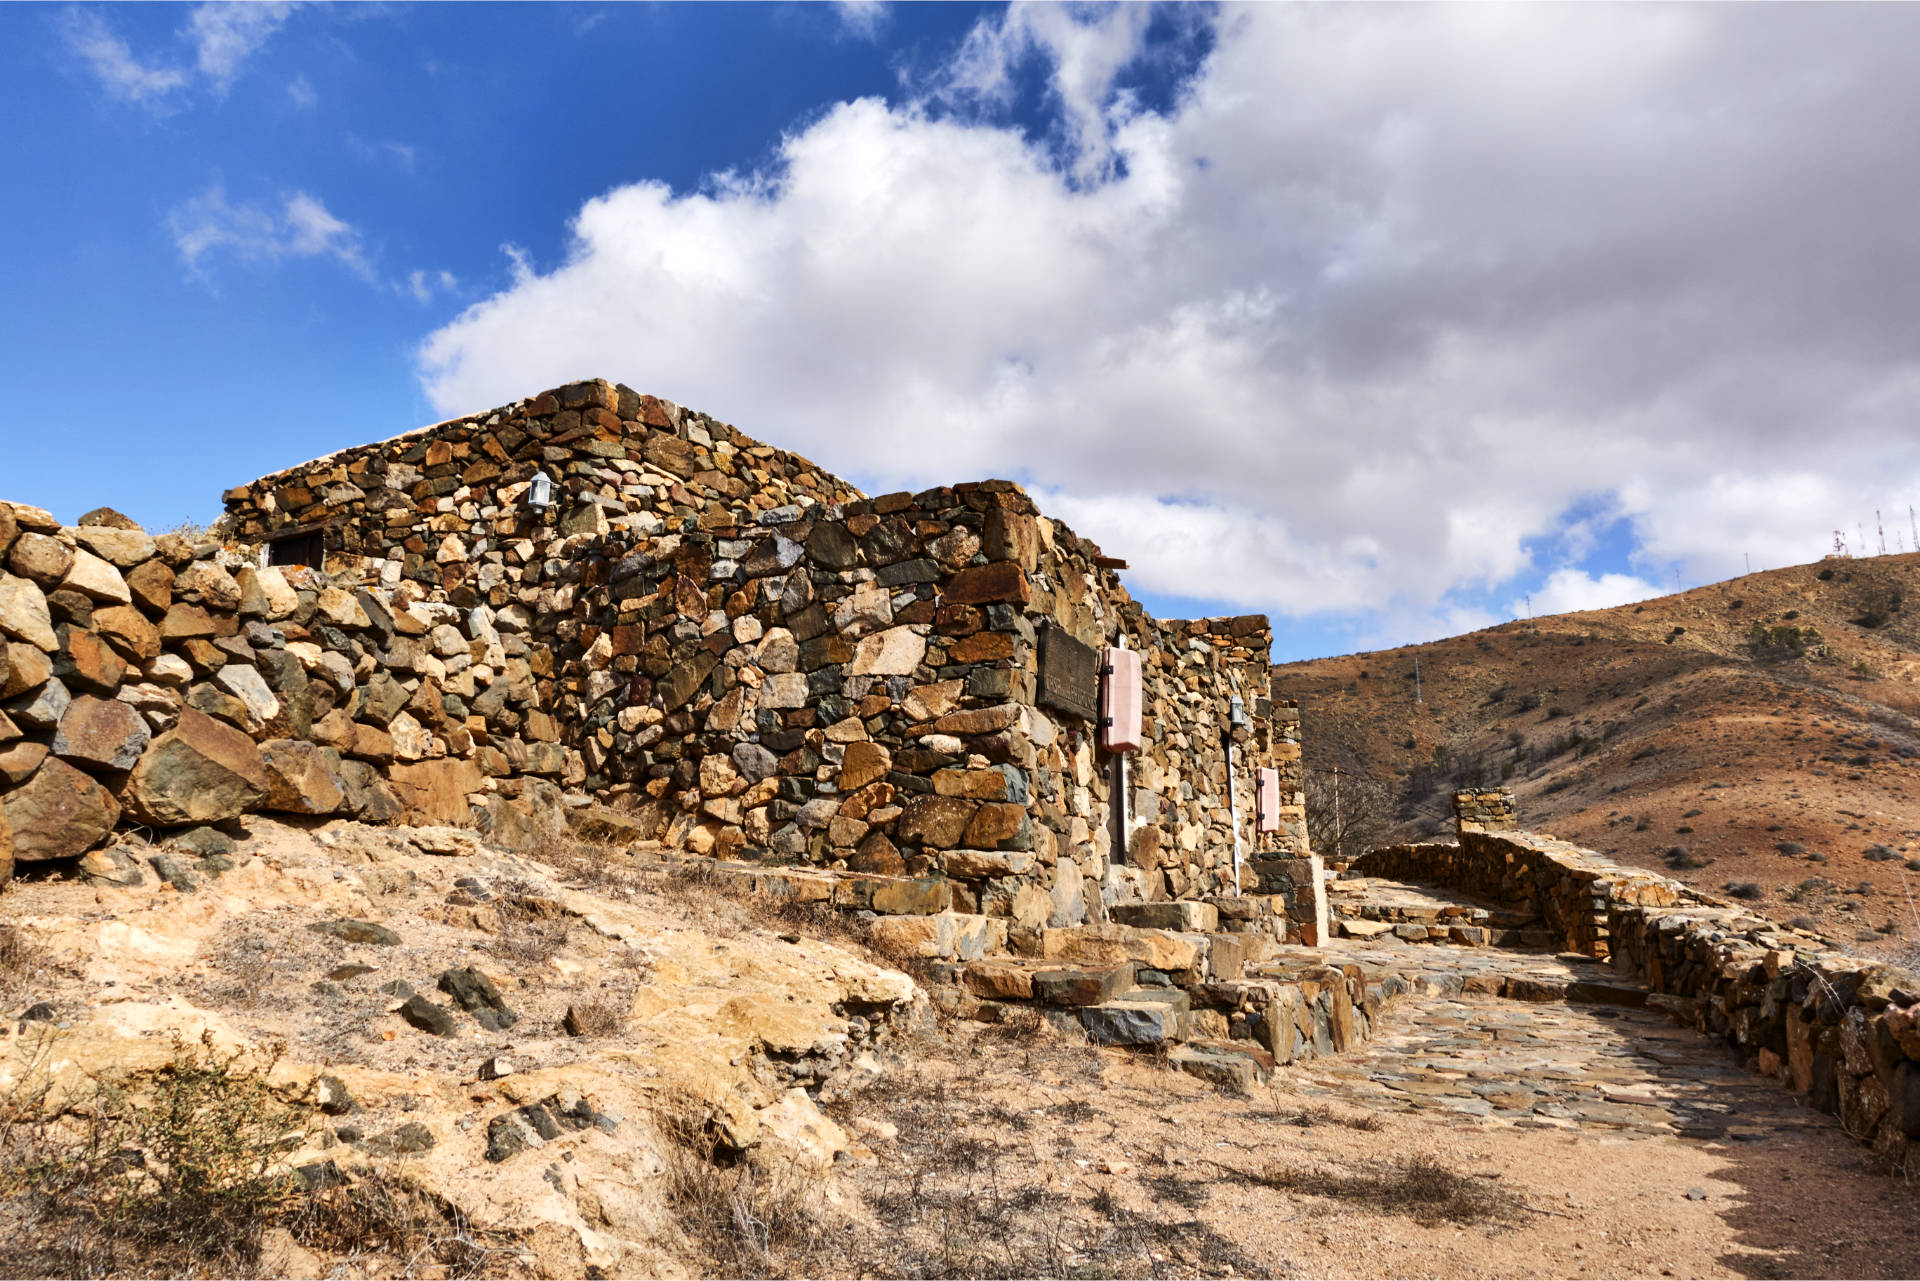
1784, 705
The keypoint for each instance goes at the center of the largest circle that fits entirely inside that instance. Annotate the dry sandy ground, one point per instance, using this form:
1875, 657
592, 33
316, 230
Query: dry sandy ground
1035, 1157
979, 1151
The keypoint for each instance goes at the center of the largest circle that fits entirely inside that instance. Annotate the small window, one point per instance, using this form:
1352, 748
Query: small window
298, 549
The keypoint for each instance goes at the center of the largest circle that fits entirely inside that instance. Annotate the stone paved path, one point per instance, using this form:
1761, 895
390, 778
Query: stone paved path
1487, 1061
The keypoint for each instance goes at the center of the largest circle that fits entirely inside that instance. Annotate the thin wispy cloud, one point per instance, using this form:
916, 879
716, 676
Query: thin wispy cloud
862, 18
220, 39
210, 226
425, 286
112, 63
225, 35
399, 154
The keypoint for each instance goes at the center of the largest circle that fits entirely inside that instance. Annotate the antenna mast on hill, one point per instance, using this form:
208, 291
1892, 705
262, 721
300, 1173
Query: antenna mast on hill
1839, 543
1881, 530
1861, 530
1916, 527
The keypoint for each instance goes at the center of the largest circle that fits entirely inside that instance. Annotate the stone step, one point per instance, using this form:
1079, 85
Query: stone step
1134, 1022
951, 936
1082, 986
1236, 1064
1183, 915
1175, 998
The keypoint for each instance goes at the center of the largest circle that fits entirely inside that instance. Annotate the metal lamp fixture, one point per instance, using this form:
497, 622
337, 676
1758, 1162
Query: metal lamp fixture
540, 491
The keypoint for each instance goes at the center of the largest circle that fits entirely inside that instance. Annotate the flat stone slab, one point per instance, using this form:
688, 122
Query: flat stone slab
1630, 1073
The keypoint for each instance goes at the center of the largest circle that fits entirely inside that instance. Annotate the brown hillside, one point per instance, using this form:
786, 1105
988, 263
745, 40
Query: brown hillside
1761, 734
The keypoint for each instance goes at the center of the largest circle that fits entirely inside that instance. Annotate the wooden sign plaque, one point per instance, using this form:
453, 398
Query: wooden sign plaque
1069, 674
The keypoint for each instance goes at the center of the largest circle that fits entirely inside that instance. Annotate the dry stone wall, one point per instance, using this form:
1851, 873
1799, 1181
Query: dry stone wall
1840, 1030
701, 639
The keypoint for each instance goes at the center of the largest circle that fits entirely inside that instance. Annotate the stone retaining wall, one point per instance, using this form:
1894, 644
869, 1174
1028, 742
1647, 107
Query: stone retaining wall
1841, 1031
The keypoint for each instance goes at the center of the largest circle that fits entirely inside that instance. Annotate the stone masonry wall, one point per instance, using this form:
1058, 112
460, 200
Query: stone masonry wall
1841, 1031
734, 648
163, 684
854, 686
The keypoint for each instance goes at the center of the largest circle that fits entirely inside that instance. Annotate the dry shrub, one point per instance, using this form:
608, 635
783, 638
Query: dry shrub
24, 965
384, 1215
604, 1013
180, 1179
1419, 1188
184, 1175
749, 1217
531, 929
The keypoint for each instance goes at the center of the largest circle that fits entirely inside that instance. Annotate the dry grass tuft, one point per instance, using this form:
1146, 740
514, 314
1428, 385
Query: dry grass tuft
1320, 1114
606, 870
531, 929
747, 1217
605, 1013
24, 967
1419, 1188
387, 1216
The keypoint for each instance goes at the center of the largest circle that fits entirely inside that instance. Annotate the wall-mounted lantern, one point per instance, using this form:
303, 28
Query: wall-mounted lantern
1237, 713
540, 491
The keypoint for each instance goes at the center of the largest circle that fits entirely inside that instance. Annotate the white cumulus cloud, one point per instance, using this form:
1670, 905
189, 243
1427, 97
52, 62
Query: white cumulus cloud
1378, 301
1567, 591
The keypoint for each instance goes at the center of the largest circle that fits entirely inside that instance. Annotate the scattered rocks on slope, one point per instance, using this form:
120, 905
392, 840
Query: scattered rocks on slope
475, 993
349, 930
428, 1017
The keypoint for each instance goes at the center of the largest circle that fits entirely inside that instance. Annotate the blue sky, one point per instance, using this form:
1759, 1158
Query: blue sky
1387, 322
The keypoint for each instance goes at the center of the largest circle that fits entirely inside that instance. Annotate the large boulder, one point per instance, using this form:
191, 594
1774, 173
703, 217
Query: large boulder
58, 813
128, 631
26, 669
123, 548
86, 664
101, 733
302, 778
200, 771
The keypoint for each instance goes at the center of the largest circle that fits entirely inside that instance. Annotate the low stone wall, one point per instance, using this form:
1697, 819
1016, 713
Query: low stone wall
156, 683
1570, 890
1841, 1031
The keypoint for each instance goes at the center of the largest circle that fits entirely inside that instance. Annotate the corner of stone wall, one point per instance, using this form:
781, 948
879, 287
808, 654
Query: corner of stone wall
1484, 810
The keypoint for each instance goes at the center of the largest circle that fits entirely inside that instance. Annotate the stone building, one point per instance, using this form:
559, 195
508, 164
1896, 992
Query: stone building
598, 595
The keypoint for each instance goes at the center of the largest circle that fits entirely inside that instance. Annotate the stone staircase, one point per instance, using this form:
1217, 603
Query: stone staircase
1211, 982
1369, 908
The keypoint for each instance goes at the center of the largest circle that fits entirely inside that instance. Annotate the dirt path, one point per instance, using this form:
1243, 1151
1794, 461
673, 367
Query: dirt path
1476, 1138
